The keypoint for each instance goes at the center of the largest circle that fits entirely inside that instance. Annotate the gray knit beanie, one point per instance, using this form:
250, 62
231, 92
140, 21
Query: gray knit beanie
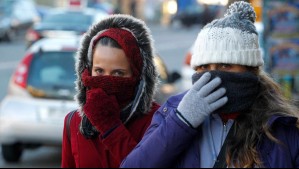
232, 39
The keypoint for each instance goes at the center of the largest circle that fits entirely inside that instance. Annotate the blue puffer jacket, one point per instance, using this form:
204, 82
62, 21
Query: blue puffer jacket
169, 142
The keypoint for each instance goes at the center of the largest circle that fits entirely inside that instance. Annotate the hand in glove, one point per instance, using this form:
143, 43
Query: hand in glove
200, 101
102, 110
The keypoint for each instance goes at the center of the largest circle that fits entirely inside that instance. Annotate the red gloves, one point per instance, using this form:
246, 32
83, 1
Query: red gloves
102, 110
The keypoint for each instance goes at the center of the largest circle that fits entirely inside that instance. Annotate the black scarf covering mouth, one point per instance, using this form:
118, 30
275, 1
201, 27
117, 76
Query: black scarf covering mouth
241, 89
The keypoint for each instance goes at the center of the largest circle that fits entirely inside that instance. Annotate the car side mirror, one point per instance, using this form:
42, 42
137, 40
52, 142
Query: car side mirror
173, 77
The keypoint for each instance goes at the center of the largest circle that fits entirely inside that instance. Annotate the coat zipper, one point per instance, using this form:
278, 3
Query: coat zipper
223, 133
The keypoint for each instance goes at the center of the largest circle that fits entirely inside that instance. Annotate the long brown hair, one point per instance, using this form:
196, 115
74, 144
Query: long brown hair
242, 150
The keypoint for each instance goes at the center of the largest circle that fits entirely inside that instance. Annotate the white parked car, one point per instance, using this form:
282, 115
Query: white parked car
40, 94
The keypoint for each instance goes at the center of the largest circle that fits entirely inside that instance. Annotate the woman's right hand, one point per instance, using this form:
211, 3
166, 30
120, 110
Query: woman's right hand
102, 110
200, 101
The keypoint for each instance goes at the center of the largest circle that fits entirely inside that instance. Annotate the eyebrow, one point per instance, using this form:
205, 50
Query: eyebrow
123, 70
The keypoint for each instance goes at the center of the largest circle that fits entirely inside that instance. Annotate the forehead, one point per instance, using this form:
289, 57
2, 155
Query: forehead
111, 54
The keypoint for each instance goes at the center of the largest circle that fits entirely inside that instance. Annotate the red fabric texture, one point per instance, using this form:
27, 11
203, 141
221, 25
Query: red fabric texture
102, 110
128, 43
102, 153
123, 88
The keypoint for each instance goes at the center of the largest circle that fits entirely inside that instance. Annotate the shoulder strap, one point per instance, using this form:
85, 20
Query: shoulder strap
68, 123
221, 163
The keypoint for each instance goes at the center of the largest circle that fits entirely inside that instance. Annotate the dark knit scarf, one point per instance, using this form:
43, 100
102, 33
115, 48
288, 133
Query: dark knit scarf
241, 90
123, 88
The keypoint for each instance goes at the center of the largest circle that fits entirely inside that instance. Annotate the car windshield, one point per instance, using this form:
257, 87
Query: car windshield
6, 7
194, 9
52, 75
70, 19
2, 13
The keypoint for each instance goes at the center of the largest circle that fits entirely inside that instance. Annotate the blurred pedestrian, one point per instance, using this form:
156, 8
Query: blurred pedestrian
233, 116
116, 81
133, 7
206, 15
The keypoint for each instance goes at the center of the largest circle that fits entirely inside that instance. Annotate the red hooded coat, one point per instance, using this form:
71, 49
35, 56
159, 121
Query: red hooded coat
79, 152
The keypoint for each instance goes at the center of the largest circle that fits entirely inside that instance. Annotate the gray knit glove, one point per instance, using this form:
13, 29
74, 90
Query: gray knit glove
200, 101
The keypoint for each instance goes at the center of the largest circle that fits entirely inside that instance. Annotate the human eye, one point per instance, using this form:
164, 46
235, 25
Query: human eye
99, 72
202, 68
118, 73
225, 66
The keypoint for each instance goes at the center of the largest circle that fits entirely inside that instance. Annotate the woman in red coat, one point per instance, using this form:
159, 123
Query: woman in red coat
116, 81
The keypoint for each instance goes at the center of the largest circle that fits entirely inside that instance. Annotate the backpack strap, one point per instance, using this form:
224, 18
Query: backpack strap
221, 163
68, 123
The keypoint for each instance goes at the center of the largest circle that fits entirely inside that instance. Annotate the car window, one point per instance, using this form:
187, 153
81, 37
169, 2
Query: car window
194, 9
2, 12
52, 74
25, 10
70, 19
7, 6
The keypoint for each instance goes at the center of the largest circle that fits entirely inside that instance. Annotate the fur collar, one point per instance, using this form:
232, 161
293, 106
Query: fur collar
149, 75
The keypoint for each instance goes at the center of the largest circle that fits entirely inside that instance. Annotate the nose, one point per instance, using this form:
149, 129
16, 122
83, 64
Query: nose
213, 67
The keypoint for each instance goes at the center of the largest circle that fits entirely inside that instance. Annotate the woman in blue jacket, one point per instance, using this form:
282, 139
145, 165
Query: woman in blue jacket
230, 94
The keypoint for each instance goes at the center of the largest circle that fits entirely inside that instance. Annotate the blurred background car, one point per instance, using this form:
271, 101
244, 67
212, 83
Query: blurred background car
65, 23
195, 13
104, 6
15, 16
7, 33
41, 92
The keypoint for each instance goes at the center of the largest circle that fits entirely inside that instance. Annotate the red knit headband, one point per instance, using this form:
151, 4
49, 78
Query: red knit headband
128, 43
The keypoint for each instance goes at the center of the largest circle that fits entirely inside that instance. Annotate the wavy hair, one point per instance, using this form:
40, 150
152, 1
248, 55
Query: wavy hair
242, 150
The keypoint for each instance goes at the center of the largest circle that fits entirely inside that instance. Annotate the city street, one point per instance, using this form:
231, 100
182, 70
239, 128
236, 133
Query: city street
171, 44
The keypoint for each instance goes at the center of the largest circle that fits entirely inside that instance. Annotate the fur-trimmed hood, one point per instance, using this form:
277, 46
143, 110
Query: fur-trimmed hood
149, 76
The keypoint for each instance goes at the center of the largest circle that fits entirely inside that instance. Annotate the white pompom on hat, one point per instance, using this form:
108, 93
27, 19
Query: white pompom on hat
230, 40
